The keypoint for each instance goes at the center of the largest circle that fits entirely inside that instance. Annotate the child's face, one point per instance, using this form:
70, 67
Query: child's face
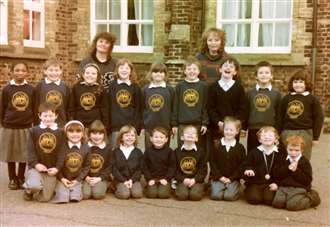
90, 75
228, 71
158, 139
264, 75
20, 73
267, 138
192, 71
102, 46
97, 138
53, 73
190, 135
230, 130
213, 42
299, 86
293, 150
48, 118
75, 136
129, 138
124, 72
158, 77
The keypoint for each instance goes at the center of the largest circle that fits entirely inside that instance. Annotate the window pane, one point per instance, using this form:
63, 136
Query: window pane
36, 17
243, 35
244, 9
265, 34
230, 34
115, 30
101, 9
282, 31
101, 28
147, 9
133, 39
132, 9
283, 9
114, 9
228, 9
266, 9
26, 26
146, 34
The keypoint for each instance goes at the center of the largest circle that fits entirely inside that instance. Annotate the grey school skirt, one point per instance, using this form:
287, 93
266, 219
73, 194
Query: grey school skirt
13, 145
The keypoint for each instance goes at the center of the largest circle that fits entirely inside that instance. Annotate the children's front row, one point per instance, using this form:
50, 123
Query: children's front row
76, 170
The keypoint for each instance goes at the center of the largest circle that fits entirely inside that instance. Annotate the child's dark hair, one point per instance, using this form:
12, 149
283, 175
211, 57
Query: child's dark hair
300, 75
234, 61
192, 61
19, 63
97, 126
218, 32
263, 64
75, 125
103, 35
157, 67
98, 79
160, 130
295, 140
46, 106
123, 61
233, 120
125, 129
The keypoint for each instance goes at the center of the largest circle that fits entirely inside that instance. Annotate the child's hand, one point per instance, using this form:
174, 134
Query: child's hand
315, 142
223, 179
203, 130
151, 182
95, 180
293, 166
220, 125
186, 182
273, 187
243, 133
163, 182
40, 167
66, 182
174, 130
52, 171
192, 182
129, 183
73, 183
88, 179
249, 173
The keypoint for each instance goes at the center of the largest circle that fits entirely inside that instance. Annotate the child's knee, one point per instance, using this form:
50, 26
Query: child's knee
196, 196
231, 196
181, 195
98, 195
217, 195
253, 199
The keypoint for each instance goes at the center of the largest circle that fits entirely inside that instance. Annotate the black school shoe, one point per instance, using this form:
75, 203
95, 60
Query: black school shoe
314, 197
13, 185
27, 196
20, 183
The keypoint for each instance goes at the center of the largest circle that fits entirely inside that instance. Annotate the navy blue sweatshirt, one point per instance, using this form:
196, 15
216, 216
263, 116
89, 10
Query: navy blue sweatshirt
100, 165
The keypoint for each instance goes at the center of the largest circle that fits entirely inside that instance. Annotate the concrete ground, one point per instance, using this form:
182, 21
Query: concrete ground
15, 211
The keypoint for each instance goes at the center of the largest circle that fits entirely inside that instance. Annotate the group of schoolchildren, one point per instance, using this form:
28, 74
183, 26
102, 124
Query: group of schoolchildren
69, 157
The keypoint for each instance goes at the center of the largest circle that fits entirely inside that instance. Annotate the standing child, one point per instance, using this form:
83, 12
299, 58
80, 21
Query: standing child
88, 100
16, 106
45, 157
127, 165
158, 102
227, 97
294, 175
159, 165
190, 166
97, 180
190, 102
53, 90
124, 99
264, 104
259, 168
76, 164
226, 163
301, 112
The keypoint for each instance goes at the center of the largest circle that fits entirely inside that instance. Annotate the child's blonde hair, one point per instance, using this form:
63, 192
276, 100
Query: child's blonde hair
125, 129
157, 67
123, 61
52, 62
266, 129
295, 140
192, 61
233, 120
186, 127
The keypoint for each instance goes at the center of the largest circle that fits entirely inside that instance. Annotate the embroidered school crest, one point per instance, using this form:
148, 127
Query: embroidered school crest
188, 165
156, 102
47, 142
96, 163
20, 101
123, 98
87, 100
107, 78
295, 109
54, 97
190, 97
261, 102
73, 162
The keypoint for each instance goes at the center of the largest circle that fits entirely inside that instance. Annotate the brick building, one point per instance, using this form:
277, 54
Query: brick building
283, 32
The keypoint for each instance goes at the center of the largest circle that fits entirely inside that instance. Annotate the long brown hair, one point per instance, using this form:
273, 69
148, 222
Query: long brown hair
300, 75
103, 35
157, 67
218, 32
123, 61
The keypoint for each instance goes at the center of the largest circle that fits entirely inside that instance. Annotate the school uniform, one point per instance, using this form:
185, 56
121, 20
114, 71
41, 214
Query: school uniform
126, 165
226, 161
100, 166
158, 164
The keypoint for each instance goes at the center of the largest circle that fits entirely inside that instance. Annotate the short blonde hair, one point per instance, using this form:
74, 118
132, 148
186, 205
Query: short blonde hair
233, 120
266, 129
125, 129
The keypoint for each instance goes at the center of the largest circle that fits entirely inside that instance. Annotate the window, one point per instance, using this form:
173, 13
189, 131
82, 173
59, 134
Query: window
256, 26
131, 21
34, 23
3, 21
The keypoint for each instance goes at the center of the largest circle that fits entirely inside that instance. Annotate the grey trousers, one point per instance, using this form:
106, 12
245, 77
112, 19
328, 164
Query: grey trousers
158, 191
195, 193
98, 191
221, 191
123, 192
65, 195
307, 135
40, 184
291, 198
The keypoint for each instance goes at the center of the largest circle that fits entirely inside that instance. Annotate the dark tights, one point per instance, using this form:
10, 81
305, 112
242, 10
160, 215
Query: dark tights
12, 170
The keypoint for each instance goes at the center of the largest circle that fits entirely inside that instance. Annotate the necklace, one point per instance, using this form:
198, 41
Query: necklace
267, 176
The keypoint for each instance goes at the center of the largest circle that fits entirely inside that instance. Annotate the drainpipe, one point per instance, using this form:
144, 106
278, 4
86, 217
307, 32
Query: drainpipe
314, 41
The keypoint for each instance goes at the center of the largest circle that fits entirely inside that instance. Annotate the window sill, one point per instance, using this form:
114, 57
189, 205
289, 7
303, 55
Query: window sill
138, 58
274, 59
28, 52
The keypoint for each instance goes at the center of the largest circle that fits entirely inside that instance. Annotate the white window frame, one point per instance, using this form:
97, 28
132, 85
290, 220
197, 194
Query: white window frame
124, 23
255, 21
4, 22
40, 8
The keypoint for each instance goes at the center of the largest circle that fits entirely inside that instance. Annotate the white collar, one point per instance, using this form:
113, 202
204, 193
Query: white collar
226, 85
192, 81
12, 82
226, 144
162, 84
74, 144
53, 127
101, 146
292, 160
92, 84
126, 150
267, 152
269, 87
194, 147
57, 82
128, 82
305, 93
